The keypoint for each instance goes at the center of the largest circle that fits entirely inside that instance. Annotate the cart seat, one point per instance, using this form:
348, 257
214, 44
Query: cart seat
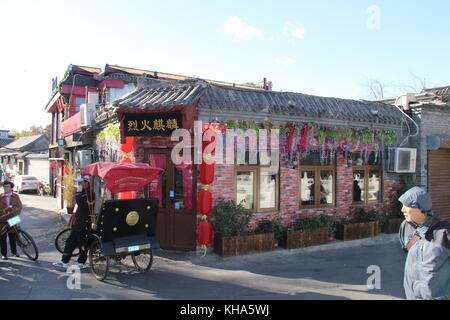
129, 244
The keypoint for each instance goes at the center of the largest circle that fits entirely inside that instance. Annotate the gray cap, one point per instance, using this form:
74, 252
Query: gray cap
417, 197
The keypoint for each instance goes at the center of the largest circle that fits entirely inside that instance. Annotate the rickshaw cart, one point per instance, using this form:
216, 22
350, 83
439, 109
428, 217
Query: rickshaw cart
123, 228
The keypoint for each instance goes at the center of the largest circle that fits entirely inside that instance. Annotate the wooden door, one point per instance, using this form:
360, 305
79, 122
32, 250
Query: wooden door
439, 181
176, 191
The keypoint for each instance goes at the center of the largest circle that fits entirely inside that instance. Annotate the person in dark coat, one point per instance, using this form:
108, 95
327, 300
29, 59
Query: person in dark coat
80, 224
10, 206
427, 241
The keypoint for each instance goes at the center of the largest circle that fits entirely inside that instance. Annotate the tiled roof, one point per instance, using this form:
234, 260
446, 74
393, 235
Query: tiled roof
5, 141
237, 99
22, 143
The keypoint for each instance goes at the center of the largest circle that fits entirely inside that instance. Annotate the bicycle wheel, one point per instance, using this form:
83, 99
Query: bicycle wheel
143, 260
99, 263
27, 244
60, 242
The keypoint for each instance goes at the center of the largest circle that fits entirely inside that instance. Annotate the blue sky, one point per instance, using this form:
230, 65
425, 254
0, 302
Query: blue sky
328, 48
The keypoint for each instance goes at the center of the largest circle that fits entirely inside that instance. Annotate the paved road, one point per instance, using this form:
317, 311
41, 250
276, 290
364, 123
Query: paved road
332, 274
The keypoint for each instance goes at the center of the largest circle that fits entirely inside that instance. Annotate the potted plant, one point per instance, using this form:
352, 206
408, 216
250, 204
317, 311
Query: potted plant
310, 231
365, 224
231, 231
271, 226
69, 191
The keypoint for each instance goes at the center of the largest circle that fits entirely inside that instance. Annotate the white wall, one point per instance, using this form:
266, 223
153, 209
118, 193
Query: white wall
40, 168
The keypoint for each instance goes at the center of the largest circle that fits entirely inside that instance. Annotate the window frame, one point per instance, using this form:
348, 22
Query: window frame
257, 186
317, 169
367, 169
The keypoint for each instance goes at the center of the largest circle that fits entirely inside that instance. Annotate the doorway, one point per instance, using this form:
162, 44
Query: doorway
176, 193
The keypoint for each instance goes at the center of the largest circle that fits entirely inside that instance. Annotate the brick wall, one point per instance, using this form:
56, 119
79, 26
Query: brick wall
224, 186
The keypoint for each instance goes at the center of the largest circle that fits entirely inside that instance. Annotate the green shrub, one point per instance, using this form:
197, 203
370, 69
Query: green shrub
317, 222
231, 219
271, 226
362, 215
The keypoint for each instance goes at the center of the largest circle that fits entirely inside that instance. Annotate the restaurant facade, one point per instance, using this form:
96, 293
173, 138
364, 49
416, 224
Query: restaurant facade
330, 153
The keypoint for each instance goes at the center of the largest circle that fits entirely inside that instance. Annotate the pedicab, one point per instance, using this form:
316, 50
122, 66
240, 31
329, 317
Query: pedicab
122, 228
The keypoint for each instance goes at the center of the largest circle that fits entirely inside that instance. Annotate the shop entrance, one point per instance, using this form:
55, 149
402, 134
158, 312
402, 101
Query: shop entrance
176, 194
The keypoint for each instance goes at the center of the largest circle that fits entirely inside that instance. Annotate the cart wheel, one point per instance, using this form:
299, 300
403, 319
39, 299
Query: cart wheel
27, 244
143, 260
99, 263
60, 242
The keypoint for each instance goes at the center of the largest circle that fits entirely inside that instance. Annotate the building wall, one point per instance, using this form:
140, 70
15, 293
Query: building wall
224, 187
39, 168
434, 122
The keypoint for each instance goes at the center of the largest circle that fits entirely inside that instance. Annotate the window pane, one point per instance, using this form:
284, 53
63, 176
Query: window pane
78, 102
374, 185
307, 188
358, 185
183, 186
361, 159
268, 189
326, 187
245, 189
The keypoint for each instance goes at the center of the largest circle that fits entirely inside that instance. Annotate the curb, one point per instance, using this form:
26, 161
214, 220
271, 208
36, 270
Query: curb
197, 256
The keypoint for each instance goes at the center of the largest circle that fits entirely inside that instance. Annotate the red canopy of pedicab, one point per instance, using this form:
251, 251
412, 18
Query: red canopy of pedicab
123, 177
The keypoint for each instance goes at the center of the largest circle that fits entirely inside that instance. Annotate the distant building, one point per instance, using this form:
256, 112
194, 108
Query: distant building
16, 156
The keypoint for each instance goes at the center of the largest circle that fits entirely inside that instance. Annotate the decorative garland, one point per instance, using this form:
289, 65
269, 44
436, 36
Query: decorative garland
108, 143
302, 138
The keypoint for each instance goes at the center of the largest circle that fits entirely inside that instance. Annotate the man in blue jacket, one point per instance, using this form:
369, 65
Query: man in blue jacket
427, 241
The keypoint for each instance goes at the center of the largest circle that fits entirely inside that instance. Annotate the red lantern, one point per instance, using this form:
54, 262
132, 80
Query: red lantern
204, 233
128, 194
126, 160
52, 165
211, 136
207, 173
204, 200
128, 145
66, 170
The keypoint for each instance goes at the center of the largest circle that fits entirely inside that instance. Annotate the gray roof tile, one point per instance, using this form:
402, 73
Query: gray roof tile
247, 100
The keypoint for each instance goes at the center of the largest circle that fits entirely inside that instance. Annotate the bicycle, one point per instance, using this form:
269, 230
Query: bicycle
23, 239
60, 242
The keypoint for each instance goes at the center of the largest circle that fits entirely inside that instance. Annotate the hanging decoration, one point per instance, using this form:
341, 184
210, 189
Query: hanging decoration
128, 145
205, 233
52, 165
128, 194
302, 138
204, 198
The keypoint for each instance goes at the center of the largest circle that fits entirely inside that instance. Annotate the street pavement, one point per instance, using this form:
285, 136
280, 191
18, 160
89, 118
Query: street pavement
335, 271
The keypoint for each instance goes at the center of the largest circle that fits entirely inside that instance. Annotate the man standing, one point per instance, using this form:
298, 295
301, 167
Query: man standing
10, 206
427, 240
80, 224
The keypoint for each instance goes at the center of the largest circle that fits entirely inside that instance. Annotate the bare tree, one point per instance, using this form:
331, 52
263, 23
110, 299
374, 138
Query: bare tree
376, 89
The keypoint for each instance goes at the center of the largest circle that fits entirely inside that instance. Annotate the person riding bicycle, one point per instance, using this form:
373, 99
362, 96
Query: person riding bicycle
10, 206
80, 224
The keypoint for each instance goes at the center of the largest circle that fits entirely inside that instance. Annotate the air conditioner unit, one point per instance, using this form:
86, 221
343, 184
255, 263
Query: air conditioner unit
87, 111
83, 158
402, 160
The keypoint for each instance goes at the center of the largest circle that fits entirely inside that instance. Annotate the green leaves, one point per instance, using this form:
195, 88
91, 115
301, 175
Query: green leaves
231, 219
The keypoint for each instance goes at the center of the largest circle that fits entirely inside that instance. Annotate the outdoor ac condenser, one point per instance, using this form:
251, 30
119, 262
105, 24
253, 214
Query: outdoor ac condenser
87, 111
83, 158
402, 160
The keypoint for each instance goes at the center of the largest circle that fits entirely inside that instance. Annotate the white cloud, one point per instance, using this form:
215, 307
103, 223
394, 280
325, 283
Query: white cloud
285, 60
294, 29
240, 30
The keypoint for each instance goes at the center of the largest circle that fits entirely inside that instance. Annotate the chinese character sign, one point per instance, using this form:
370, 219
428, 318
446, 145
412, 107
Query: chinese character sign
151, 124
